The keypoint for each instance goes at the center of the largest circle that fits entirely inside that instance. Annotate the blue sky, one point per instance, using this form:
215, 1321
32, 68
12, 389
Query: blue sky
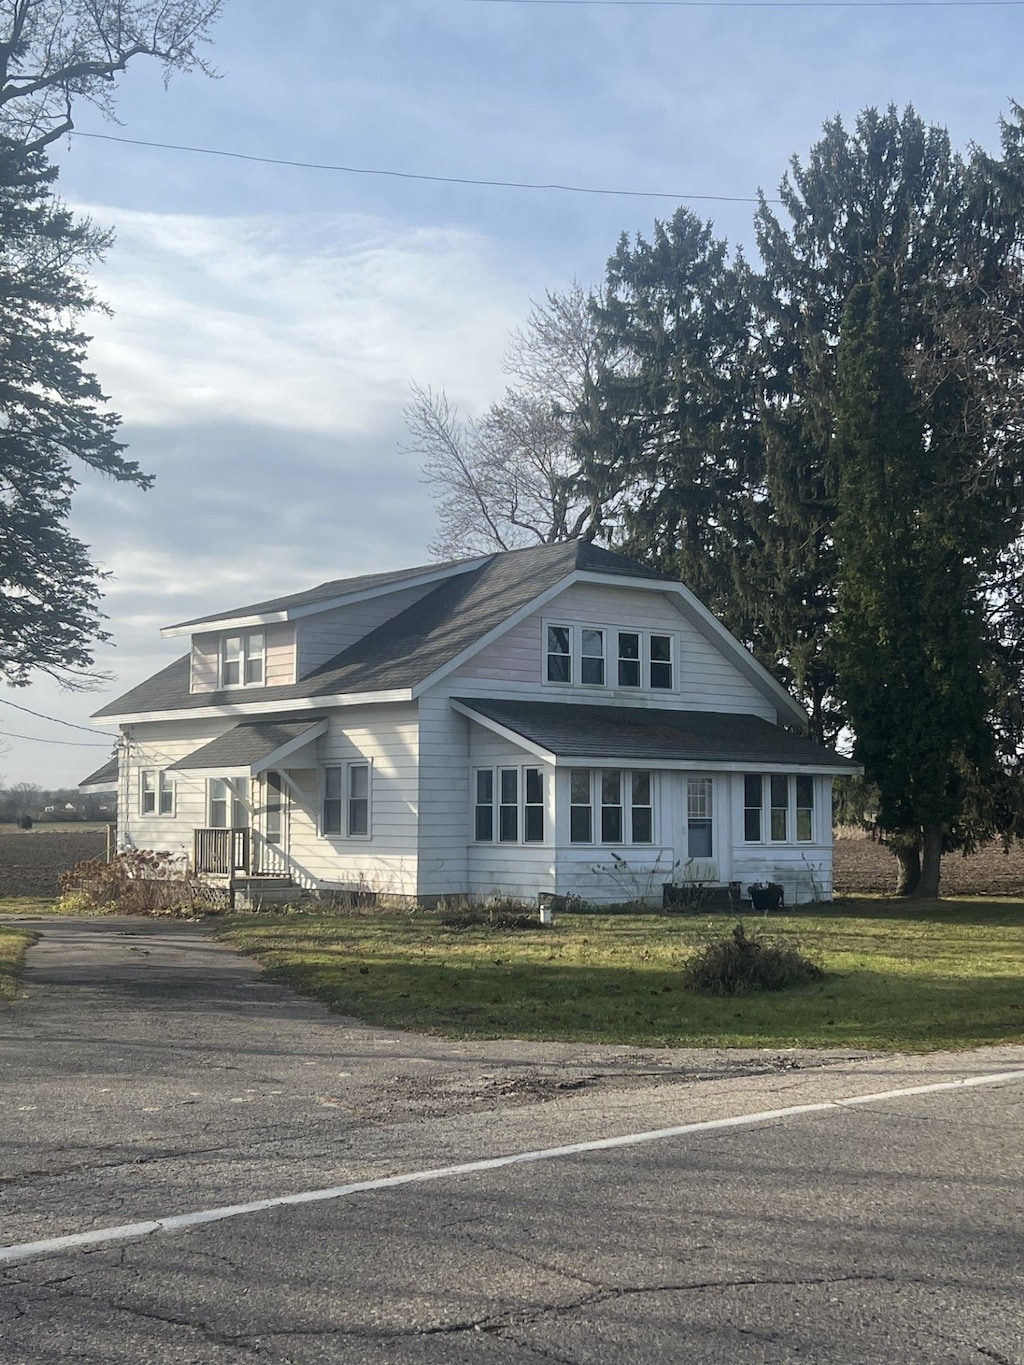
269, 321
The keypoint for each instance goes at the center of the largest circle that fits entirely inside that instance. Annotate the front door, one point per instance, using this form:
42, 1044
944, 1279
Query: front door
700, 830
273, 825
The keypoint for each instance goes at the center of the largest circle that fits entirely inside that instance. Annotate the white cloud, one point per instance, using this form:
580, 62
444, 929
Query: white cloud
315, 324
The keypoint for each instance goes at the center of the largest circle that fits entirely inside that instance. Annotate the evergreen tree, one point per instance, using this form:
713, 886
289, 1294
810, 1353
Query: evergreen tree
908, 639
51, 414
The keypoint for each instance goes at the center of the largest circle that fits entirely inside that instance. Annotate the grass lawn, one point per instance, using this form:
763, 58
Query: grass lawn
13, 943
29, 905
936, 975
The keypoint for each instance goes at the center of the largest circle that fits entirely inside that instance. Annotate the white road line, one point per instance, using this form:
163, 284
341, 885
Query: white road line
131, 1231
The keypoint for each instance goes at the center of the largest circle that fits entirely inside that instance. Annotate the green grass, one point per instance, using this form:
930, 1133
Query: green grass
29, 905
940, 975
13, 944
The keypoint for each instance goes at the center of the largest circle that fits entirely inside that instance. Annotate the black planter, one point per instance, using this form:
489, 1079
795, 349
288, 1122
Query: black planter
765, 898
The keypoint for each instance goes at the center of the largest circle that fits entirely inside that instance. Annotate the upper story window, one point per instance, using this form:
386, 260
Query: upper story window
243, 659
559, 654
602, 656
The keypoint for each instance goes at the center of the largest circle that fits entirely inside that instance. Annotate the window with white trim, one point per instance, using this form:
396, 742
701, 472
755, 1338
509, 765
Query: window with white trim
559, 654
508, 805
662, 672
629, 658
345, 808
778, 808
227, 803
243, 659
156, 792
616, 806
591, 657
604, 656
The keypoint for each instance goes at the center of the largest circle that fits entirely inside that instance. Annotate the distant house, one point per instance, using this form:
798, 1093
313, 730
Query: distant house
558, 719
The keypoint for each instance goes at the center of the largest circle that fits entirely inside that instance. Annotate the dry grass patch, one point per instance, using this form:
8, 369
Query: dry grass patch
13, 945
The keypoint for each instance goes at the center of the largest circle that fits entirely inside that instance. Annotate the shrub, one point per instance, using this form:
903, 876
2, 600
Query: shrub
25, 822
740, 964
138, 882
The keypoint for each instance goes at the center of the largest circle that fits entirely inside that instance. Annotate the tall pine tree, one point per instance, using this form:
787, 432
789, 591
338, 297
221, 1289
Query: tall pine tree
51, 415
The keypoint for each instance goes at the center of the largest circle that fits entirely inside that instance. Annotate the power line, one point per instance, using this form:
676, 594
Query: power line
434, 179
769, 4
68, 743
88, 729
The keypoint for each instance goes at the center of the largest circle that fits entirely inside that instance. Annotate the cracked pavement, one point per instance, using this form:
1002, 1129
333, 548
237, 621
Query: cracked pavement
135, 1084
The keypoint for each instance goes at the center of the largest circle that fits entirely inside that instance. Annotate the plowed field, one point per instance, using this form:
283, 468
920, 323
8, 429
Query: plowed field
32, 860
861, 865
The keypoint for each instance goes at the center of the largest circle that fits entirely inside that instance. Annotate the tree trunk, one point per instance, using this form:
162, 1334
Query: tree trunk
908, 876
931, 863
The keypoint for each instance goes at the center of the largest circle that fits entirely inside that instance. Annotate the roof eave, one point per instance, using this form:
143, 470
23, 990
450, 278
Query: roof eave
203, 625
276, 707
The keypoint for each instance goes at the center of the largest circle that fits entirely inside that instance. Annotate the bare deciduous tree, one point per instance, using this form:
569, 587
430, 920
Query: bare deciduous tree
508, 479
54, 53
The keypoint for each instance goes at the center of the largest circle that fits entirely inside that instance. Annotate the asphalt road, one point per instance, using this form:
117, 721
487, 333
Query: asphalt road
150, 1072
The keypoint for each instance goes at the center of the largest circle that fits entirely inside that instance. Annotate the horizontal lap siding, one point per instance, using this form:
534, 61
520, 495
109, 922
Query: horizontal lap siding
443, 798
325, 634
707, 679
158, 745
386, 736
205, 663
280, 669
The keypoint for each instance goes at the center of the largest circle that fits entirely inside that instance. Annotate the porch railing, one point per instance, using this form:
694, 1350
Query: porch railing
221, 851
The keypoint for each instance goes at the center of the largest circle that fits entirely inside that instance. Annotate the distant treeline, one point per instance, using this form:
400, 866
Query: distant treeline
27, 801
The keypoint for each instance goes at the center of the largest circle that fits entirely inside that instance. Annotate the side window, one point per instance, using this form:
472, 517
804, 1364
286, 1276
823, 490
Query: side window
358, 800
611, 807
242, 659
559, 654
156, 793
533, 806
805, 810
752, 798
581, 816
331, 820
661, 662
483, 809
629, 658
508, 806
592, 657
641, 809
778, 786
227, 803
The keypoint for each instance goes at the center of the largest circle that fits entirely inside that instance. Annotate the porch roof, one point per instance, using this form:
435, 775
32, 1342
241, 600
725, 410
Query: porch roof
627, 734
252, 746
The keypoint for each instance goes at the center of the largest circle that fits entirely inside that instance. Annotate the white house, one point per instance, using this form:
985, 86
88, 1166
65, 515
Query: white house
554, 720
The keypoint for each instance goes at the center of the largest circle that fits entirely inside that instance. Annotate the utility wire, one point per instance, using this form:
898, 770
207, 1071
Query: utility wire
68, 743
89, 730
769, 4
435, 179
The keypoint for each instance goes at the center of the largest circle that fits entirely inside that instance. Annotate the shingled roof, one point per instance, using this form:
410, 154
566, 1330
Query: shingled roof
628, 733
409, 647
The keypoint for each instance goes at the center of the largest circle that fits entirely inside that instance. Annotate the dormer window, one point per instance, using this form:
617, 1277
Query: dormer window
559, 654
242, 659
592, 657
584, 655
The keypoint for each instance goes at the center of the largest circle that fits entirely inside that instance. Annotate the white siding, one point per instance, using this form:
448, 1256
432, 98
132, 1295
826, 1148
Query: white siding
384, 736
508, 869
279, 667
157, 745
706, 679
205, 663
443, 798
327, 633
280, 657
